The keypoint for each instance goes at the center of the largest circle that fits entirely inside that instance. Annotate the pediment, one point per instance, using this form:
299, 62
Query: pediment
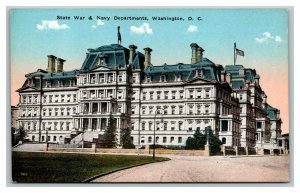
199, 80
100, 68
27, 89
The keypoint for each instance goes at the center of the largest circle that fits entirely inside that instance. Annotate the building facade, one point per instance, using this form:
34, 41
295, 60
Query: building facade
121, 85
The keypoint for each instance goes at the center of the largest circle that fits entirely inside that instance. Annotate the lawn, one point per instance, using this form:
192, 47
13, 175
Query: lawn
36, 167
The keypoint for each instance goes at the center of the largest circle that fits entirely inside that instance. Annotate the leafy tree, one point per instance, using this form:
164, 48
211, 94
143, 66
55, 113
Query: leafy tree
109, 138
126, 140
197, 141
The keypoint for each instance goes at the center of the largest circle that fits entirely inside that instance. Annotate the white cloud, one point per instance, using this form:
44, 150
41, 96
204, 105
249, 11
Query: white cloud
192, 28
268, 36
48, 25
143, 29
100, 22
278, 39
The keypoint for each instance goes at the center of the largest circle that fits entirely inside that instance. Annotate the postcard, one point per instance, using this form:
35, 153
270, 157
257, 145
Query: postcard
110, 95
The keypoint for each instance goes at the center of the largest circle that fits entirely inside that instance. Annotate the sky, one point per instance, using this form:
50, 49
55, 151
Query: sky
261, 33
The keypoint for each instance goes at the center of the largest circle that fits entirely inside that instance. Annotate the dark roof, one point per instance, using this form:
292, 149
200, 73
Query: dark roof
272, 112
249, 74
186, 71
114, 56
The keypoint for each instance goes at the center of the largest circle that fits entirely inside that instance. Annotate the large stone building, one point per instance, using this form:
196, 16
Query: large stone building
122, 84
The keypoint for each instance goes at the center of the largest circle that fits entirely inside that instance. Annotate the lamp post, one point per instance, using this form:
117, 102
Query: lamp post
157, 110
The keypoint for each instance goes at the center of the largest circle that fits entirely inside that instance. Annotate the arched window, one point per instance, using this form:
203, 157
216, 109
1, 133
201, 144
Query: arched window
224, 140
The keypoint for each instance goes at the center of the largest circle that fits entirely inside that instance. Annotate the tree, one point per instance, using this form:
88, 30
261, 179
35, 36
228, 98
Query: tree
109, 138
197, 141
126, 139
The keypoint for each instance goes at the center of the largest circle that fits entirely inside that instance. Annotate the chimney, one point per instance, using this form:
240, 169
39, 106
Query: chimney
199, 54
228, 78
51, 63
132, 53
194, 47
147, 57
223, 76
60, 64
256, 79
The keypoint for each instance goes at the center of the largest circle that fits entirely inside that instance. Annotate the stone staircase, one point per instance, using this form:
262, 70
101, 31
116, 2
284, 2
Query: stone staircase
89, 137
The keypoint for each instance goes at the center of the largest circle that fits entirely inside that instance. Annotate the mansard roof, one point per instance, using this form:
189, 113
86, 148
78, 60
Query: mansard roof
116, 56
53, 75
272, 112
187, 72
237, 78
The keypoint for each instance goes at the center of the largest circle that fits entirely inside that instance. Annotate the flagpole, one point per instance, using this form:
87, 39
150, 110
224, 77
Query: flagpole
234, 53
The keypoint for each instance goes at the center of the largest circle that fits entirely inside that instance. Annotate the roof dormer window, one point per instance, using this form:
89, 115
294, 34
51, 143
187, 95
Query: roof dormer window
163, 78
149, 79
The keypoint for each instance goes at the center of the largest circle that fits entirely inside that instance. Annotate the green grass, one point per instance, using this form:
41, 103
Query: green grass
36, 167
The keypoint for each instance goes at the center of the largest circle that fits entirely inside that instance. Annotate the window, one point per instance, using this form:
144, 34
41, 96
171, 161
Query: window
191, 109
29, 99
241, 97
144, 96
198, 109
50, 112
165, 125
50, 98
164, 139
68, 98
163, 78
68, 111
56, 98
150, 126
173, 110
259, 125
166, 93
101, 77
61, 125
206, 109
158, 95
68, 126
143, 126
181, 94
180, 110
110, 78
133, 96
149, 139
55, 125
134, 79
173, 94
180, 124
54, 138
191, 94
206, 93
156, 139
43, 126
171, 139
24, 99
224, 140
119, 109
224, 125
33, 138
132, 125
151, 95
74, 97
148, 78
120, 94
120, 78
62, 111
143, 110
133, 110
179, 139
199, 94
56, 112
43, 138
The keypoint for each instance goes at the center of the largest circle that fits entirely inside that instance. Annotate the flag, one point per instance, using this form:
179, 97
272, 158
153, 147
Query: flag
239, 52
